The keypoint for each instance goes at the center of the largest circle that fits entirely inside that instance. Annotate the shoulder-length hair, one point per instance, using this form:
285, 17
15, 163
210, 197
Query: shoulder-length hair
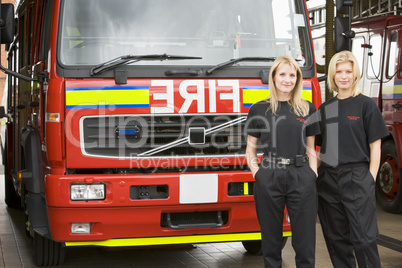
342, 57
300, 106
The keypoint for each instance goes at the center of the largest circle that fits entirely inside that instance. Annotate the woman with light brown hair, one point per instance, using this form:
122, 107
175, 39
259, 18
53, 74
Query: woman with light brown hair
288, 170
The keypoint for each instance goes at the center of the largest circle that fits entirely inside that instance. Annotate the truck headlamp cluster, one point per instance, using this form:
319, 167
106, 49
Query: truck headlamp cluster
81, 228
79, 192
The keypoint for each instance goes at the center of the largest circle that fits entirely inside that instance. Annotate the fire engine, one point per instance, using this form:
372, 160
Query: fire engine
377, 46
373, 34
125, 118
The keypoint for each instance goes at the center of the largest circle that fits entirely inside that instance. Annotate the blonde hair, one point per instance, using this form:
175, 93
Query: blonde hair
343, 57
299, 105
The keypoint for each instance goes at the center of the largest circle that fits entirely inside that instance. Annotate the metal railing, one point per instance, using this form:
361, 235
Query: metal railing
317, 17
370, 8
361, 9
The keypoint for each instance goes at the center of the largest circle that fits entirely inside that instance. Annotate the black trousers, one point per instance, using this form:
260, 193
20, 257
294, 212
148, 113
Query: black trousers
347, 212
277, 186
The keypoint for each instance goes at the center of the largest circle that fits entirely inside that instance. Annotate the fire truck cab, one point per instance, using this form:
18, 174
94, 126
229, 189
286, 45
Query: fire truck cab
377, 46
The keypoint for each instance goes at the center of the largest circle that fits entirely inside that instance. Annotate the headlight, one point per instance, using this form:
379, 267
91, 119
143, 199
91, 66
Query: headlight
81, 228
87, 192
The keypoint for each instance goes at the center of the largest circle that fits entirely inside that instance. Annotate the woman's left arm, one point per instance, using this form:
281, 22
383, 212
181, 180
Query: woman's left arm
311, 153
375, 157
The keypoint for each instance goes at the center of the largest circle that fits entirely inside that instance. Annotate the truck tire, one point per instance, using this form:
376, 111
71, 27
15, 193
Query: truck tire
47, 252
11, 197
255, 247
388, 184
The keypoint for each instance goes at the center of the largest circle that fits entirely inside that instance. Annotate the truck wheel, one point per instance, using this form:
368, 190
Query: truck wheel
47, 252
11, 197
388, 184
255, 247
284, 239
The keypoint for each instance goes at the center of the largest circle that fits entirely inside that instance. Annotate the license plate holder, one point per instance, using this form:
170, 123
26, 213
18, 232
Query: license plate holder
198, 188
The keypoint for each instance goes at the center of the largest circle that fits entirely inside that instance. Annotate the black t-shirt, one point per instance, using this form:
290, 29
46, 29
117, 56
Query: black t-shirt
283, 134
348, 126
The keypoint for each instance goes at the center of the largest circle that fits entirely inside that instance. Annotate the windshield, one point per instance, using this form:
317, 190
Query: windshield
96, 31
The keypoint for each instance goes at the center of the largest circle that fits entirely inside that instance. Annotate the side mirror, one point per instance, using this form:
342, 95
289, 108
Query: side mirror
343, 35
342, 6
2, 112
7, 23
7, 32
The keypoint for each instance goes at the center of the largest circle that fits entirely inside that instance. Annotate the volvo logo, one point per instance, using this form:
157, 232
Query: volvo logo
128, 132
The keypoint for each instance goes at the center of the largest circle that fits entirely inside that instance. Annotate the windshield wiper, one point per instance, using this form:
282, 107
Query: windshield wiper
233, 61
127, 59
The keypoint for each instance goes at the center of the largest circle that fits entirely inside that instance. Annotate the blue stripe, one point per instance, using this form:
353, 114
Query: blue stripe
255, 87
109, 106
106, 88
247, 104
397, 83
391, 96
267, 87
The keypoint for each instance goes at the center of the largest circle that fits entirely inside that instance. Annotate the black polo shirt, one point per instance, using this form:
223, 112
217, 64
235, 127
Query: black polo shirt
283, 134
348, 126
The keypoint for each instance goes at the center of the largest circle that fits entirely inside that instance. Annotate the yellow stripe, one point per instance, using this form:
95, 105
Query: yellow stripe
246, 188
106, 97
254, 95
392, 89
307, 95
172, 240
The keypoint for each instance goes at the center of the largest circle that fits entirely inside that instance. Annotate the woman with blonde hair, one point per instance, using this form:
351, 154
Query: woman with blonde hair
344, 57
287, 172
351, 131
299, 105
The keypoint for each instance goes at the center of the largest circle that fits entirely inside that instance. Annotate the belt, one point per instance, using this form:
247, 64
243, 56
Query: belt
297, 161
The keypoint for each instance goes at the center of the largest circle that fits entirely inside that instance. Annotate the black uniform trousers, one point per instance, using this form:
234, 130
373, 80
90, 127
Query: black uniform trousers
347, 213
277, 186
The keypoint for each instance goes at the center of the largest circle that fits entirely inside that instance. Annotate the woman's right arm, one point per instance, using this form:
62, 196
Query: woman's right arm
251, 154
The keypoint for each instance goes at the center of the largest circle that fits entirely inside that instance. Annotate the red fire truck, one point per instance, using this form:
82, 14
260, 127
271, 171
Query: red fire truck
377, 46
125, 118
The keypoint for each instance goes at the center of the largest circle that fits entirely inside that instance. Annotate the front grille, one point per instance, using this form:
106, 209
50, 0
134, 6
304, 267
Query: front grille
186, 220
163, 136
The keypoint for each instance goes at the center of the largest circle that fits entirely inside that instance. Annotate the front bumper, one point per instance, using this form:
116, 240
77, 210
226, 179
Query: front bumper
119, 220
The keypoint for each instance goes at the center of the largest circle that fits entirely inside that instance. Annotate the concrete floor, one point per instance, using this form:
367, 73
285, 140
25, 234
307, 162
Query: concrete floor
16, 250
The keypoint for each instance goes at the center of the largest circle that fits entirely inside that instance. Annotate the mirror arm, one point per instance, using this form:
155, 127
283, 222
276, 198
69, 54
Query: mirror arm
8, 71
18, 75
